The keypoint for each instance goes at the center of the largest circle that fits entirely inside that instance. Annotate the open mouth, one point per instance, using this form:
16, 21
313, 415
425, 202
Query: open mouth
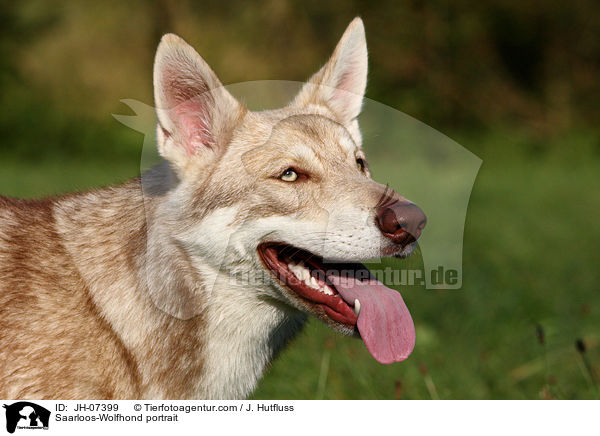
345, 294
306, 275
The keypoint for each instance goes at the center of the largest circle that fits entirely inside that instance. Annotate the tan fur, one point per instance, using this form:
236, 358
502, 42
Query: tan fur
126, 292
54, 331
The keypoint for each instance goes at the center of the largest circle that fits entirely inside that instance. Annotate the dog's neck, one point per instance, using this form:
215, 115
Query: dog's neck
189, 338
243, 334
242, 331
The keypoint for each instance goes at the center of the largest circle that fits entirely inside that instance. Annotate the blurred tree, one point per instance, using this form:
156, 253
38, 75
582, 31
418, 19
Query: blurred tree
454, 64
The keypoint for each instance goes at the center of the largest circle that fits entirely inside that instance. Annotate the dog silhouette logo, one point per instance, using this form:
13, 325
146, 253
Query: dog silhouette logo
26, 415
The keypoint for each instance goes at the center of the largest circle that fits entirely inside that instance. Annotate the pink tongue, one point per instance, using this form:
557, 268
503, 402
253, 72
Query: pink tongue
384, 322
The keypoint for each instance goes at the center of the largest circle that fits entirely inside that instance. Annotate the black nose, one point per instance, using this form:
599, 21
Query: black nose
401, 221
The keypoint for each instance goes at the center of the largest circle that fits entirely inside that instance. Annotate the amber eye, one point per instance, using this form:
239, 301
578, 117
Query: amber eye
362, 165
289, 175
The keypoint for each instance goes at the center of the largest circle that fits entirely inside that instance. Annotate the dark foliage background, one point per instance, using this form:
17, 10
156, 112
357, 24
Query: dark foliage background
459, 66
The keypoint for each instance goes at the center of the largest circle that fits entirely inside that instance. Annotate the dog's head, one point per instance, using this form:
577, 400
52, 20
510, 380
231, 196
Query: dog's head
286, 191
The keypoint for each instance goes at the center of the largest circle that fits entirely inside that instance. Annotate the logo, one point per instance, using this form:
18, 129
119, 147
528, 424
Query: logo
26, 415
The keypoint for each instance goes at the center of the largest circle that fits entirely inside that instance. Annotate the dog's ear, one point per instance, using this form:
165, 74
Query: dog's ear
195, 112
340, 84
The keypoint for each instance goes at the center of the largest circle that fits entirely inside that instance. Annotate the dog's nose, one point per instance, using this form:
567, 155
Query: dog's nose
401, 221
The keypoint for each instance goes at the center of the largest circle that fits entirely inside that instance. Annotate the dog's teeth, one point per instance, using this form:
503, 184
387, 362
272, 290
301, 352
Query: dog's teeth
294, 269
356, 307
299, 271
313, 283
302, 273
327, 290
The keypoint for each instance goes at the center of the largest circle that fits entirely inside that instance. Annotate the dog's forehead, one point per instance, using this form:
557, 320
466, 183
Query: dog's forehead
315, 131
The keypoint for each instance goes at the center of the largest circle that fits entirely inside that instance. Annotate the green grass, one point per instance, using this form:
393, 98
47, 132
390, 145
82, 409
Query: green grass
530, 257
49, 177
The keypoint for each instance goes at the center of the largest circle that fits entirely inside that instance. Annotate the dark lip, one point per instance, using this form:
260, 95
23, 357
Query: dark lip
276, 255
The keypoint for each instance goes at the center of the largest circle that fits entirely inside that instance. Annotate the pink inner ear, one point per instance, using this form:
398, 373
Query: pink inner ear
346, 84
193, 121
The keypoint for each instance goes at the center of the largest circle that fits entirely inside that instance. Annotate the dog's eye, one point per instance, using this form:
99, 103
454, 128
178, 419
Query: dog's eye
289, 175
362, 165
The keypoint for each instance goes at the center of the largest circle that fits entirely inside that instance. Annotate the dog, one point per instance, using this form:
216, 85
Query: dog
186, 282
25, 414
